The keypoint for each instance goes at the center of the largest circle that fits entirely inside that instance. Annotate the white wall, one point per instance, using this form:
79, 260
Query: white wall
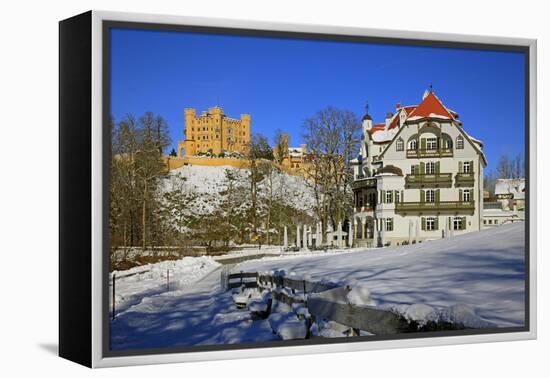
29, 99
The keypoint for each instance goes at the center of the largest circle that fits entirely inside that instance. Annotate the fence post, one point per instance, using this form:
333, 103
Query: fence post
167, 279
114, 282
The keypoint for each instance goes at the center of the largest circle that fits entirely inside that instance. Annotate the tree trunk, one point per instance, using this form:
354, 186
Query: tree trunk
144, 218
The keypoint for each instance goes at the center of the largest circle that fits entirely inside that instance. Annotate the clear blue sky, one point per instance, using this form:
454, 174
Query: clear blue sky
281, 82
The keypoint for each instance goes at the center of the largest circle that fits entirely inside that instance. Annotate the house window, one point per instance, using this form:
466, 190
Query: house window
459, 143
399, 145
389, 196
466, 195
466, 167
397, 197
414, 169
389, 224
430, 224
430, 168
448, 144
431, 143
457, 223
496, 221
413, 144
430, 195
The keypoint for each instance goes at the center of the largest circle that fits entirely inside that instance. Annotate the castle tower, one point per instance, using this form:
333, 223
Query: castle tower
213, 132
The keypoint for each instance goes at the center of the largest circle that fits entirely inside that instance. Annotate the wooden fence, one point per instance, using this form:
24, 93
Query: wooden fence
324, 300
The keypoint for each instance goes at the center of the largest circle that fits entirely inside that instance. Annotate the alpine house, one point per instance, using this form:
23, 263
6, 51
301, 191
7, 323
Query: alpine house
419, 176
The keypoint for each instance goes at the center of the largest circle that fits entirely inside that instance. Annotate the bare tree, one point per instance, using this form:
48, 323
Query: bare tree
333, 137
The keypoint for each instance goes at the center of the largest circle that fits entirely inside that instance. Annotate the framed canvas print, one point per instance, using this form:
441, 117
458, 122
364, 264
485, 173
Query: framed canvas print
232, 189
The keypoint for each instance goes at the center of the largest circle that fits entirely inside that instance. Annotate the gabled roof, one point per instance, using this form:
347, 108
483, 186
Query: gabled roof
431, 107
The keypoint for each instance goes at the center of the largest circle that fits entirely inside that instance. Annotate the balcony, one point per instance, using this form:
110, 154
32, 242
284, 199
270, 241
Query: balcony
363, 183
425, 153
464, 180
438, 180
442, 207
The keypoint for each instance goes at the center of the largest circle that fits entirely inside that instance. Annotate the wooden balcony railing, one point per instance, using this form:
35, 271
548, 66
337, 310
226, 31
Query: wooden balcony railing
363, 183
437, 180
464, 180
425, 153
436, 207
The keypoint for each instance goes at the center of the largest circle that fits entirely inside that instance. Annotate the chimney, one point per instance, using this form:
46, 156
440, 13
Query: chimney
389, 116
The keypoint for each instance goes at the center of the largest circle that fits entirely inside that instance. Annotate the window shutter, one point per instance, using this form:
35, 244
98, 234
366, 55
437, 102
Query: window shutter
459, 167
460, 197
423, 143
437, 167
437, 195
471, 167
422, 196
450, 223
463, 223
422, 168
383, 196
423, 224
436, 223
402, 195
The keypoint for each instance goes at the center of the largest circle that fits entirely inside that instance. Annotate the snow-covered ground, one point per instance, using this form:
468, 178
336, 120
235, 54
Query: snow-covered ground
477, 279
135, 284
481, 272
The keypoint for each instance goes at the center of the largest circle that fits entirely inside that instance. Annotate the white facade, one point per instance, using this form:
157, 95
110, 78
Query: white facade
419, 176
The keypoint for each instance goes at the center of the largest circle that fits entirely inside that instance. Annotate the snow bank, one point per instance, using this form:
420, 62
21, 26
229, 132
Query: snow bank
287, 326
135, 284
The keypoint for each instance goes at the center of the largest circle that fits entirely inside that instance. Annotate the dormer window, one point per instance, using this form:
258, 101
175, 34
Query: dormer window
459, 143
413, 145
399, 145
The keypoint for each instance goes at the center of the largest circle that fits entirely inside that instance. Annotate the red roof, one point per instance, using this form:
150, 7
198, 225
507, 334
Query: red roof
431, 105
378, 127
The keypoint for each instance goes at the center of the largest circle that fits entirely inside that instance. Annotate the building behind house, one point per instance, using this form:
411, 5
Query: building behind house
509, 204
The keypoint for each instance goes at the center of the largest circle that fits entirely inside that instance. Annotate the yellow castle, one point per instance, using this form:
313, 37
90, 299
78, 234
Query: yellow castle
212, 131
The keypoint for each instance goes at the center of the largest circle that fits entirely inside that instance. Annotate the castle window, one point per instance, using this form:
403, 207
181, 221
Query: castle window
459, 143
399, 145
413, 144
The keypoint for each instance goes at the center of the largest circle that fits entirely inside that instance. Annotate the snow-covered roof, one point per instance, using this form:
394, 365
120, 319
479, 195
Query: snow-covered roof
515, 187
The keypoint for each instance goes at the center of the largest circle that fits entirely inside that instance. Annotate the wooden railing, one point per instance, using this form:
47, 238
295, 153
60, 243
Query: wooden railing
429, 180
364, 183
464, 179
327, 301
425, 153
441, 206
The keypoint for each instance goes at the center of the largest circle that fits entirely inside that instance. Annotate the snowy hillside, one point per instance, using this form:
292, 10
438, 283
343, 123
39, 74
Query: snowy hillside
209, 181
481, 274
